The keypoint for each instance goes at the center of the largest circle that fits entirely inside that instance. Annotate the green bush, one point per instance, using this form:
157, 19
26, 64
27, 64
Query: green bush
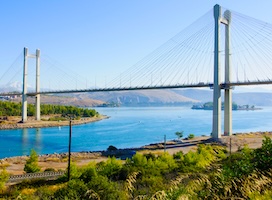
106, 189
4, 176
110, 168
263, 155
14, 109
75, 172
49, 170
239, 164
179, 134
88, 173
191, 136
75, 189
31, 165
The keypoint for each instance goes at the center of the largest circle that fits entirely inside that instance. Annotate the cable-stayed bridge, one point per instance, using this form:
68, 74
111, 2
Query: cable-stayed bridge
221, 43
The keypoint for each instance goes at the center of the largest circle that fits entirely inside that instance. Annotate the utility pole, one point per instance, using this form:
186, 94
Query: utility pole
164, 143
69, 148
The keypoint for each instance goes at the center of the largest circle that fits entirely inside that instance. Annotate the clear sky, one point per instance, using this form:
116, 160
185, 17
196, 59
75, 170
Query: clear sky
102, 38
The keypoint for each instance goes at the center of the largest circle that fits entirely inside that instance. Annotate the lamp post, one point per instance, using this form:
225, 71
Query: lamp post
69, 147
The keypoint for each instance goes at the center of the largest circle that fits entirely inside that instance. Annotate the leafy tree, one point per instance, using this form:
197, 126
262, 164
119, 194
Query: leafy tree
263, 155
110, 168
179, 134
165, 163
14, 109
31, 165
191, 136
199, 160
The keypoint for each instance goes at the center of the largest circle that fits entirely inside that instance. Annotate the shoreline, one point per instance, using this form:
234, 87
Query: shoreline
58, 161
9, 125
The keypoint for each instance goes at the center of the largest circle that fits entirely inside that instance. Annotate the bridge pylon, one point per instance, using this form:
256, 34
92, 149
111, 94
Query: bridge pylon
216, 130
24, 93
228, 90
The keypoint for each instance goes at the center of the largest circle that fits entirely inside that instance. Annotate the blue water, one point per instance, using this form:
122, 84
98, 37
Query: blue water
126, 127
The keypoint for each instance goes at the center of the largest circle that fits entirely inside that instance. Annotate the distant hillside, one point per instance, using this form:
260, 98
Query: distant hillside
152, 98
64, 100
196, 94
256, 98
252, 98
144, 97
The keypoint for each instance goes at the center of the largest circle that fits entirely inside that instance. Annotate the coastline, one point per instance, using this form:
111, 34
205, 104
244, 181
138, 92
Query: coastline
58, 161
31, 123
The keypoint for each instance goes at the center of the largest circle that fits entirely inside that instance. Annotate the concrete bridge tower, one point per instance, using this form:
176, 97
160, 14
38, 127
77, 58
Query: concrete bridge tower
216, 131
24, 94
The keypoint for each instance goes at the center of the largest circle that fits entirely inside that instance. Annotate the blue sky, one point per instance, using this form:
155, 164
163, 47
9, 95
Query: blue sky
102, 38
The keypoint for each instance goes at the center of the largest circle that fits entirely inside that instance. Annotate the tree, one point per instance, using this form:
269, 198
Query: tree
179, 134
31, 165
4, 176
191, 136
263, 155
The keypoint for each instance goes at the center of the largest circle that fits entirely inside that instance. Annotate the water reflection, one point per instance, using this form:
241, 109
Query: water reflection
38, 142
25, 141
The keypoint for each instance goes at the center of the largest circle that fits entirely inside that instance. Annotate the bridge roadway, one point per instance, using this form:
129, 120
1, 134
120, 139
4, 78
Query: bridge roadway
198, 85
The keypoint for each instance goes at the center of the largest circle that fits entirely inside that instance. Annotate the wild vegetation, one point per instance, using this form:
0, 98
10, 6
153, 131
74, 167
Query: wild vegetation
14, 109
31, 165
208, 173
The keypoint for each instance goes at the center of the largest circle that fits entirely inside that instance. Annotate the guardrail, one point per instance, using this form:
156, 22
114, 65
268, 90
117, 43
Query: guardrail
45, 175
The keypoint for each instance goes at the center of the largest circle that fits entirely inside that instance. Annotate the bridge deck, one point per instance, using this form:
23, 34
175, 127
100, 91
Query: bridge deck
198, 85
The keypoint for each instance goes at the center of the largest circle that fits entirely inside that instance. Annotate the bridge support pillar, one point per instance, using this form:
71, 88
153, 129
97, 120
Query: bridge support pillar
38, 98
24, 94
216, 131
228, 92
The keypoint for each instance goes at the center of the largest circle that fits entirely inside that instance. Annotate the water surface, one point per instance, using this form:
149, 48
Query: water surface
126, 127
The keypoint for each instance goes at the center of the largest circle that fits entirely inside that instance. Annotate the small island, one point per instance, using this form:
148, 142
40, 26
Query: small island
209, 106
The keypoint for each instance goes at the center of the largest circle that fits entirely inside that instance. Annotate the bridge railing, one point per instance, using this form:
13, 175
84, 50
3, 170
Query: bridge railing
46, 175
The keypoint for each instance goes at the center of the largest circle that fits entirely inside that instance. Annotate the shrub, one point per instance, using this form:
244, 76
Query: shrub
4, 176
263, 155
150, 156
179, 156
110, 168
88, 173
179, 134
106, 189
191, 136
239, 164
75, 173
75, 189
49, 170
31, 165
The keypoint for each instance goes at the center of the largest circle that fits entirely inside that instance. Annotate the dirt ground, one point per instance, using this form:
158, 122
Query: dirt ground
15, 165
